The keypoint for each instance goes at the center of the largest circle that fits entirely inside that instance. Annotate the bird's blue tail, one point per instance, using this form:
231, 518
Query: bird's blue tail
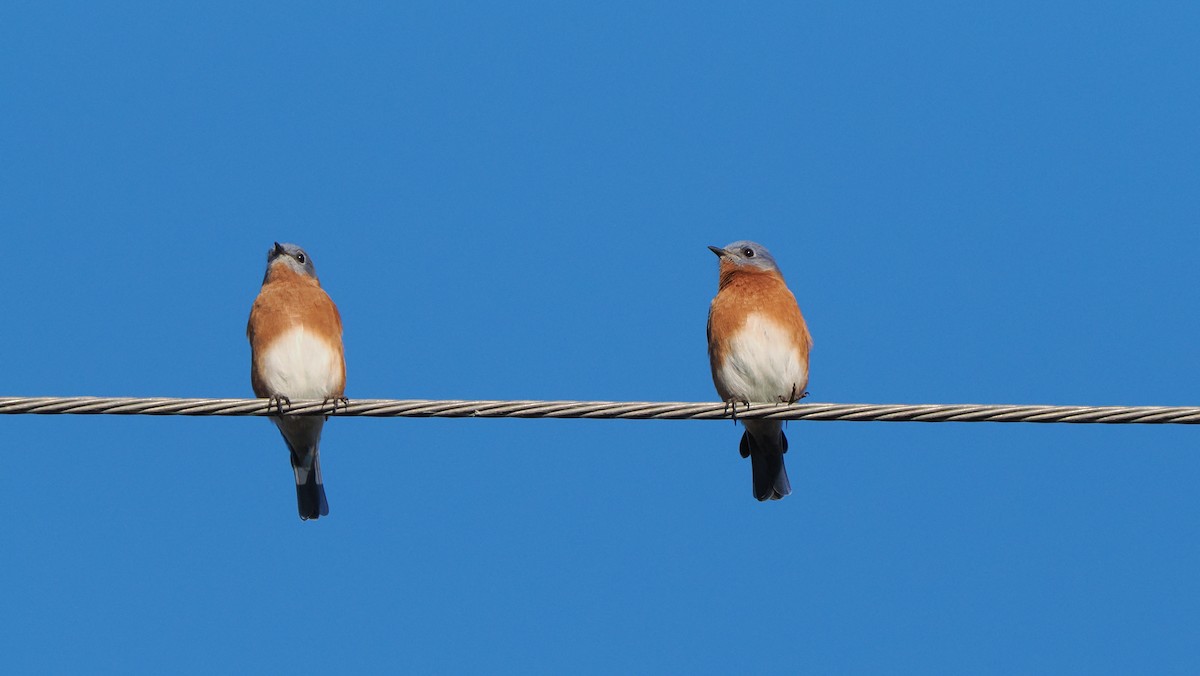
310, 490
303, 437
766, 464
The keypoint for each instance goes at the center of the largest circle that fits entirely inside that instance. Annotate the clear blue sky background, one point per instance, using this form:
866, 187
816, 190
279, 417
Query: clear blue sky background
973, 204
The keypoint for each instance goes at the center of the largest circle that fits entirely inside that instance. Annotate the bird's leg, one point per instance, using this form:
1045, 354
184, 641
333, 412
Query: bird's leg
731, 404
278, 401
336, 400
793, 397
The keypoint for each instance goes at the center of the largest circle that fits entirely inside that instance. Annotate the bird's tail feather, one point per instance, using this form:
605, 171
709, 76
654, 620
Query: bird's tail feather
303, 438
766, 465
310, 489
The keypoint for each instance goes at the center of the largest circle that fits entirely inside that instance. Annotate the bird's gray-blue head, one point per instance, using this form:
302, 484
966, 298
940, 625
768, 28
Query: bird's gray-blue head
746, 255
295, 258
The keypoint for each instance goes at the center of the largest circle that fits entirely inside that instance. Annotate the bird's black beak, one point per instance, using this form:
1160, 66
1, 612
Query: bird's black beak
721, 253
278, 250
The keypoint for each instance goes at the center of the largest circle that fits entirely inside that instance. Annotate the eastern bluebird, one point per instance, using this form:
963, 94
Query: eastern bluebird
758, 348
295, 335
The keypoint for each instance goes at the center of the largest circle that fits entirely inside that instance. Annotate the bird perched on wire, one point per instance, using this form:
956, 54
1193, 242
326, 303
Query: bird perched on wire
758, 348
296, 352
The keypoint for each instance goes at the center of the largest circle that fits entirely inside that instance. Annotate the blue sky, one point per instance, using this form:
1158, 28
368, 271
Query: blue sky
986, 204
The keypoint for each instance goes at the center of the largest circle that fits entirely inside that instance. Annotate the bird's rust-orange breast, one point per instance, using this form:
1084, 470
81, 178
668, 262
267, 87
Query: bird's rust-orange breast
744, 292
288, 299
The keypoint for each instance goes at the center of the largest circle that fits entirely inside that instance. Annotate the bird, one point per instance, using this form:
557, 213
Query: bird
758, 347
296, 352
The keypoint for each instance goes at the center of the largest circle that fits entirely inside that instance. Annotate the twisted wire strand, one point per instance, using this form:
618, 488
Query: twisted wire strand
623, 410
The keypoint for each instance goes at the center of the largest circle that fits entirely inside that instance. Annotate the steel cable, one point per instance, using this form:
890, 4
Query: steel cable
621, 410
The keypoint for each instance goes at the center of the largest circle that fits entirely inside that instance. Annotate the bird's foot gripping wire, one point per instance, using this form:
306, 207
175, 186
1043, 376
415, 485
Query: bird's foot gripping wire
731, 406
794, 396
343, 401
278, 401
788, 400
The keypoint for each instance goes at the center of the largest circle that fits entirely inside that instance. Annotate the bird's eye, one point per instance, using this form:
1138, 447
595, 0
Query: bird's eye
748, 252
300, 258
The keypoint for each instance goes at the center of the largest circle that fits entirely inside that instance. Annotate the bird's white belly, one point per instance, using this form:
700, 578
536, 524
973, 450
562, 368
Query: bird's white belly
301, 365
763, 363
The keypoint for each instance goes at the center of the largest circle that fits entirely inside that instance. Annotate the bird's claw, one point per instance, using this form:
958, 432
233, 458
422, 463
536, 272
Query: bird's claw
278, 401
792, 397
336, 400
732, 404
